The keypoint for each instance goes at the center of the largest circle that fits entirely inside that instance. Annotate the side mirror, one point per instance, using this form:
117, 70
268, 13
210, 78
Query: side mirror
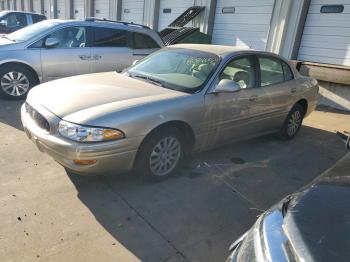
51, 42
226, 86
135, 62
3, 23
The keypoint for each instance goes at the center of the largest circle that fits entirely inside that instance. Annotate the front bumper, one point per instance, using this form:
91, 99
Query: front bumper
111, 157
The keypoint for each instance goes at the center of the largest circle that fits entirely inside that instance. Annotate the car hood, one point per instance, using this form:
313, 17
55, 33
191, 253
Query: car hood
97, 94
318, 219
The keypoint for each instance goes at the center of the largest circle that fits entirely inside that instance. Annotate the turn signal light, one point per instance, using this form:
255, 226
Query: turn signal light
84, 162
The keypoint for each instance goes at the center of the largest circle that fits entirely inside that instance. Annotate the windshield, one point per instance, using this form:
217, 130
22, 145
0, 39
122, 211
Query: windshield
28, 32
180, 69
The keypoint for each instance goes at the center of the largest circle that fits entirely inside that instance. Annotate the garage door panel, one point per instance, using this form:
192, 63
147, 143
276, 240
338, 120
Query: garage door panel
325, 59
79, 9
326, 36
245, 19
315, 9
61, 9
36, 6
132, 11
266, 9
102, 9
246, 3
47, 9
242, 27
326, 31
248, 25
327, 20
176, 8
326, 52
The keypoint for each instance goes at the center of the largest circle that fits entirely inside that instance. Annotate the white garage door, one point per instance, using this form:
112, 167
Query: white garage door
27, 6
326, 36
102, 9
12, 4
61, 9
242, 23
36, 6
47, 9
169, 10
132, 11
79, 9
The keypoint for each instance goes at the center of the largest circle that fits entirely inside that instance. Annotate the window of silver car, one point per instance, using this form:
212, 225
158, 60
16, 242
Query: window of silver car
70, 37
108, 37
271, 71
240, 70
184, 70
34, 30
288, 74
16, 20
142, 41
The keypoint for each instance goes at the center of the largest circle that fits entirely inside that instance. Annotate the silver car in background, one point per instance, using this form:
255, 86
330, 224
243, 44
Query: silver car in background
178, 100
54, 49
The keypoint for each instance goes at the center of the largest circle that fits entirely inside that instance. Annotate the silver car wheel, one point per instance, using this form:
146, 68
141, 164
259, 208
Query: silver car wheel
294, 123
165, 156
15, 83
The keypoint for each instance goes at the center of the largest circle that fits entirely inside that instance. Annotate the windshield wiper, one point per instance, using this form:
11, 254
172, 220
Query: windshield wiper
149, 79
4, 36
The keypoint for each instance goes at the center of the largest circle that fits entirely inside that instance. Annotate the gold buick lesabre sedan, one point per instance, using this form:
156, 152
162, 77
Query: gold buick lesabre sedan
179, 100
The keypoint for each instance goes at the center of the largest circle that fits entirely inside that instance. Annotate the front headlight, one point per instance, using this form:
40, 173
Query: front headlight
88, 134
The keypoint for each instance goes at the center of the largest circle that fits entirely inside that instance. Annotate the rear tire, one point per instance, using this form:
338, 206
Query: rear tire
15, 81
161, 154
292, 123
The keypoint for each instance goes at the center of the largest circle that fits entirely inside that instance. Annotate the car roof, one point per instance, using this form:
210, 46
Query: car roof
22, 12
220, 50
102, 22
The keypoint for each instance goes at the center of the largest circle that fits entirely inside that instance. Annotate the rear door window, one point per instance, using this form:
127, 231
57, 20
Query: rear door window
142, 41
37, 18
108, 37
271, 71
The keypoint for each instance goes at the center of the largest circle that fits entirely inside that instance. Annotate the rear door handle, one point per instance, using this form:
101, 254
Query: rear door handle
293, 90
97, 57
84, 57
253, 98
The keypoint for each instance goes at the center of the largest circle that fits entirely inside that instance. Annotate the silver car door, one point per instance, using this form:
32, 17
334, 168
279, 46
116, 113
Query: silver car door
110, 50
143, 45
70, 56
232, 115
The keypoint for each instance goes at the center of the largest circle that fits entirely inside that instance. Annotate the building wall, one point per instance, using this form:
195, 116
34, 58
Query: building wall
290, 31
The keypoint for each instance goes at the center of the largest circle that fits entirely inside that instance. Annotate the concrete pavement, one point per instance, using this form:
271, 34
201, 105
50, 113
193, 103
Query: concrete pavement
49, 215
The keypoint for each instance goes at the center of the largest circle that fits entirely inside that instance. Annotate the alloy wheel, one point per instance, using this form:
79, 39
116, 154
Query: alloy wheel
165, 156
14, 83
294, 123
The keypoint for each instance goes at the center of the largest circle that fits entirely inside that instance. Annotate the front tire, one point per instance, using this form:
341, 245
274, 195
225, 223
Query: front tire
293, 123
161, 154
15, 81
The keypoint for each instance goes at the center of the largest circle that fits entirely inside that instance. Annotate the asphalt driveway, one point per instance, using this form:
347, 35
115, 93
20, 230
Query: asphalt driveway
49, 215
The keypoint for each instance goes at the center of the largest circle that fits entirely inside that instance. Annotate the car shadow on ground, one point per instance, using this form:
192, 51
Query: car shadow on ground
194, 215
10, 113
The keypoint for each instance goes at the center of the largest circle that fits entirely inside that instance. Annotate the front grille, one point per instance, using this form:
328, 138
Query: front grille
37, 117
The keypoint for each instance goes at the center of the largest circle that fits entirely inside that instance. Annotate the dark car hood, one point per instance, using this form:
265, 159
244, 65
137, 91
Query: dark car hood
318, 219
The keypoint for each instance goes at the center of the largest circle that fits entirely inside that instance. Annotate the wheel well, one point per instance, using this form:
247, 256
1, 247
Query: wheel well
304, 104
26, 66
182, 126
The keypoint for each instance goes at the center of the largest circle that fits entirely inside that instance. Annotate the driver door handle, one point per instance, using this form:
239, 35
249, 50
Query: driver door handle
253, 98
84, 57
293, 90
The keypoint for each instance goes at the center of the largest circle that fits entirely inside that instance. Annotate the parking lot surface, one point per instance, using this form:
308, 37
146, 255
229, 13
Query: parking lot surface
49, 215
